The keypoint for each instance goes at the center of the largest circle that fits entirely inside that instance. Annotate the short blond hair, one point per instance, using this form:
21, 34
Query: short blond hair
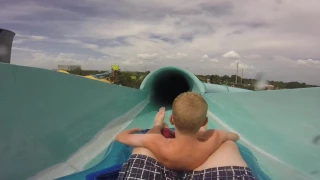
189, 111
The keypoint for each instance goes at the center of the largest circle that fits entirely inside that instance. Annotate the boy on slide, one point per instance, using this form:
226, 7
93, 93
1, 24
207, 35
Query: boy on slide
192, 144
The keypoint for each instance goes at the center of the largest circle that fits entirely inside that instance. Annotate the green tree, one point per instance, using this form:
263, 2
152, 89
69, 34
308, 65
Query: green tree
215, 79
76, 71
225, 78
233, 78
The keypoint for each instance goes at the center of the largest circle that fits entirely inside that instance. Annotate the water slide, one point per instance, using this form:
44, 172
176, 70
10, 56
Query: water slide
56, 125
97, 77
61, 126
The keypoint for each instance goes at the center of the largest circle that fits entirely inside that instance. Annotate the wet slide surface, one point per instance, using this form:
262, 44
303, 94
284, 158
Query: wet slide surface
46, 117
272, 126
55, 124
279, 127
116, 153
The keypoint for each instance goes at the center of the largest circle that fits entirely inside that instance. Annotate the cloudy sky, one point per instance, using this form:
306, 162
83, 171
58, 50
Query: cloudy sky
277, 37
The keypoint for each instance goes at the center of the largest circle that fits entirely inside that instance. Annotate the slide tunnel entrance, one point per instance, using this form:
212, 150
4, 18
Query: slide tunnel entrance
165, 84
167, 87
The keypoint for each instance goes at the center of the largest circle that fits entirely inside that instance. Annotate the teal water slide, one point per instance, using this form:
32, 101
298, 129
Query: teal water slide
61, 126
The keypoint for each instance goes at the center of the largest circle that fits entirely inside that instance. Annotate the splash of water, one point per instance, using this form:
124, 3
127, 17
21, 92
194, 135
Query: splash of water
261, 81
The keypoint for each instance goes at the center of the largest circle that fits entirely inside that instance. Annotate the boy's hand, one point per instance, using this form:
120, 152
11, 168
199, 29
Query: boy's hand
233, 136
159, 119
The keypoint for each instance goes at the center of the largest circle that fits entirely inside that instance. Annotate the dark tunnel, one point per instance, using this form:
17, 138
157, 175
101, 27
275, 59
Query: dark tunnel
167, 86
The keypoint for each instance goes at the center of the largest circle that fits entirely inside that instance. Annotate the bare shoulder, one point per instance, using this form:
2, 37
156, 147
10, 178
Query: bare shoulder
155, 142
208, 134
155, 139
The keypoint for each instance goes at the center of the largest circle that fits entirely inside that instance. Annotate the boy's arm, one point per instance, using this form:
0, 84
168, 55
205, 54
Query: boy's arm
127, 137
136, 140
219, 137
232, 136
139, 140
142, 140
225, 136
155, 143
156, 129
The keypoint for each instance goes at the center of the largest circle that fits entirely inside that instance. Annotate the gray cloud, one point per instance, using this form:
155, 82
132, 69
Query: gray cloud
278, 37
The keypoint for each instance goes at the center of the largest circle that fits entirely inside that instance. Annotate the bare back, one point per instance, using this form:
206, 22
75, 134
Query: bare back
188, 154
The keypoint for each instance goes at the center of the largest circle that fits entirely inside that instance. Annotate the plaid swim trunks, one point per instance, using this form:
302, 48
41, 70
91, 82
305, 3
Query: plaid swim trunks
142, 167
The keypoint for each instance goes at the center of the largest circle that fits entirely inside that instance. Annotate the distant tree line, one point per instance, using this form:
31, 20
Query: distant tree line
134, 79
249, 83
81, 72
125, 78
